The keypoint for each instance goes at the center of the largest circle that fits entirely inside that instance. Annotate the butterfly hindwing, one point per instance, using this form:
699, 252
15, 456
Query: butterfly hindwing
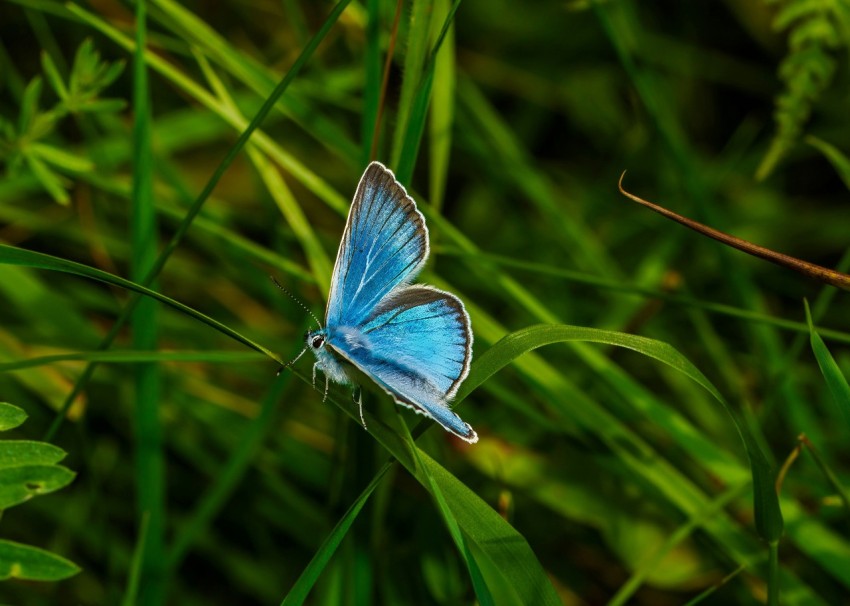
385, 244
417, 345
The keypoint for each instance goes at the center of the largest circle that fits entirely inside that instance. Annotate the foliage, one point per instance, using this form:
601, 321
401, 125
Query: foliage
29, 469
618, 363
25, 144
817, 30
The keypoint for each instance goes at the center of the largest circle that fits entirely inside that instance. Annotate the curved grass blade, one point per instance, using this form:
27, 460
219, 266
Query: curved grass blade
485, 531
132, 357
768, 516
18, 256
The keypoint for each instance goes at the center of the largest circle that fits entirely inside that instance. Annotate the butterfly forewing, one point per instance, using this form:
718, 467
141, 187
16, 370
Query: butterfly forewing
385, 244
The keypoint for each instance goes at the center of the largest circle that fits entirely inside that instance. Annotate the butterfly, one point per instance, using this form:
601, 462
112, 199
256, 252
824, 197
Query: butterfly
413, 340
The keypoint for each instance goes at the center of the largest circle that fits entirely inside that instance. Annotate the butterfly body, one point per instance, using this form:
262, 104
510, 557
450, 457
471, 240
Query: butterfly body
414, 341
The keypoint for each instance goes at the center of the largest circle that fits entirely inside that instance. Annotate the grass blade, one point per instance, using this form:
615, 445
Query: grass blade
832, 375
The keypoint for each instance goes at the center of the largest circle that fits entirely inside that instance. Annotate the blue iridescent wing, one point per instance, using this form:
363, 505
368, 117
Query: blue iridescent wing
417, 345
384, 245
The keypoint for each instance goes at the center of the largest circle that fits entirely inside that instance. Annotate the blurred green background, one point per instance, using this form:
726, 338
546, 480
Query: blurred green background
602, 475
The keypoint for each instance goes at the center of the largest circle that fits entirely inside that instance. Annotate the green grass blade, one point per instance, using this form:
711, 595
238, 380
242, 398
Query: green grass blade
414, 124
484, 530
115, 356
371, 82
130, 595
415, 58
839, 161
832, 375
18, 256
299, 592
768, 515
442, 112
482, 591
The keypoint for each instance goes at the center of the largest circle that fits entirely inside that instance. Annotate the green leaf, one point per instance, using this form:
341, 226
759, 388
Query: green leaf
61, 158
15, 453
19, 561
11, 416
835, 380
52, 74
103, 106
29, 105
51, 181
19, 484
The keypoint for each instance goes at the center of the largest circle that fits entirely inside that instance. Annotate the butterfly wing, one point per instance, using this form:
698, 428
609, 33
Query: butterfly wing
385, 244
417, 345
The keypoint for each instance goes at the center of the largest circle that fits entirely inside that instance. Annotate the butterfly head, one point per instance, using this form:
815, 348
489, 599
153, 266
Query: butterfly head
315, 339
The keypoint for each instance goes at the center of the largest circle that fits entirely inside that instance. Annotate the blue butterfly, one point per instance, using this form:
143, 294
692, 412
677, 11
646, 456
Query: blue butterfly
413, 340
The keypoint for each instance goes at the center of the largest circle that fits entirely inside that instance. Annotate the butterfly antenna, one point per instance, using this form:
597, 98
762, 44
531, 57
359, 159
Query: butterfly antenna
297, 300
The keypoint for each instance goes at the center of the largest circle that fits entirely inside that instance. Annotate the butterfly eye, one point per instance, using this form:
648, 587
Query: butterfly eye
317, 342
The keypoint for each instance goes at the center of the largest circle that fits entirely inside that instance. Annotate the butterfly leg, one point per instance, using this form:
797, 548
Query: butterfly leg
327, 384
315, 366
357, 398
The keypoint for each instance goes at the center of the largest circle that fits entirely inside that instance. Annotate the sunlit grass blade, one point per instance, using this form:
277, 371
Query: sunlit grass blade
415, 57
767, 513
371, 83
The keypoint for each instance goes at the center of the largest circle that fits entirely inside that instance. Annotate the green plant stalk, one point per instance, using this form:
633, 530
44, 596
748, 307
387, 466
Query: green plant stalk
172, 245
150, 459
371, 84
132, 591
773, 573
